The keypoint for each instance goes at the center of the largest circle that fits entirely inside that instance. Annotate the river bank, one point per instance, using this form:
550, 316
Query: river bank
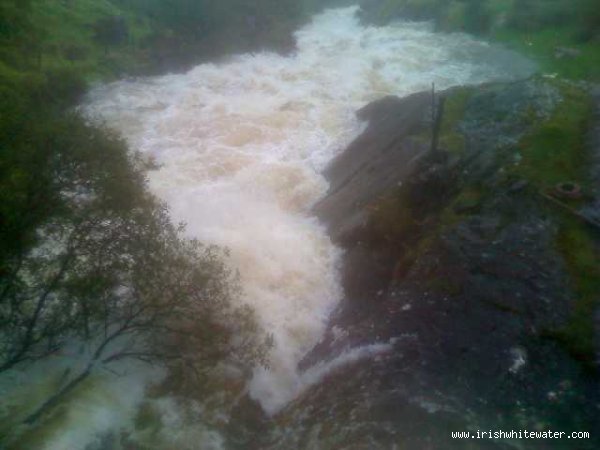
470, 266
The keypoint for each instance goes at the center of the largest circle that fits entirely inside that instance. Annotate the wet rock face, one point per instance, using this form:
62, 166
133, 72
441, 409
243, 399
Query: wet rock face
467, 298
499, 115
381, 157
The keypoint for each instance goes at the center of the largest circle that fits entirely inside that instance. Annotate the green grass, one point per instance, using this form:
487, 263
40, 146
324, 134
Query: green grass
547, 32
454, 109
540, 46
450, 137
64, 28
555, 151
583, 264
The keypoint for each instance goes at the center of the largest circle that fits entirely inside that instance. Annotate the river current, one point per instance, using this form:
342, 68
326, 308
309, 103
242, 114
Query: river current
240, 145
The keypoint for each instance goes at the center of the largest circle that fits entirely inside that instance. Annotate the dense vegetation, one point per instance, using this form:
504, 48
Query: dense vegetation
105, 38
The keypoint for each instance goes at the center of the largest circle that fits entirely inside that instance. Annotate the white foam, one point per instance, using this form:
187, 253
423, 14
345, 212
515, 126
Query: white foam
317, 372
104, 402
241, 145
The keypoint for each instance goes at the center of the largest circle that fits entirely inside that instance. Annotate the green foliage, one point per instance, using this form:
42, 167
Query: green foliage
450, 137
555, 150
19, 38
387, 10
533, 15
583, 265
542, 46
541, 28
14, 19
110, 31
589, 18
477, 19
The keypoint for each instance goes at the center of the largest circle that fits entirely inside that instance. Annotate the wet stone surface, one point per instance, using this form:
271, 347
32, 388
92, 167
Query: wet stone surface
467, 317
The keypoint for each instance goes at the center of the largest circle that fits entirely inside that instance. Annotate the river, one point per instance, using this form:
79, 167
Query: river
240, 145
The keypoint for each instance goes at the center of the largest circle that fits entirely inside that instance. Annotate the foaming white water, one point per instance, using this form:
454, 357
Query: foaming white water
241, 145
106, 401
317, 372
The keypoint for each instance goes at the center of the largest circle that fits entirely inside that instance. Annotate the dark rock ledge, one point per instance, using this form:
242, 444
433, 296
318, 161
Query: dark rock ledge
455, 258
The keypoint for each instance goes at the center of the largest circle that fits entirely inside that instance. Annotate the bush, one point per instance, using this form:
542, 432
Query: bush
110, 31
63, 86
589, 18
478, 18
532, 15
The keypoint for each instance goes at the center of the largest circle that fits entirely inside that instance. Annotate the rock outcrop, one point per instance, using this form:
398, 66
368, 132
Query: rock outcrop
384, 155
468, 268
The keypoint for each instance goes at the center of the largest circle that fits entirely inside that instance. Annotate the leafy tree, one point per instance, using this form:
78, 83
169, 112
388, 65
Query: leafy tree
20, 40
110, 31
477, 19
108, 269
589, 18
14, 18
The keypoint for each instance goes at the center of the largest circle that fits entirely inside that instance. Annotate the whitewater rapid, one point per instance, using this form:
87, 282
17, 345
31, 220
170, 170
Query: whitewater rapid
241, 144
